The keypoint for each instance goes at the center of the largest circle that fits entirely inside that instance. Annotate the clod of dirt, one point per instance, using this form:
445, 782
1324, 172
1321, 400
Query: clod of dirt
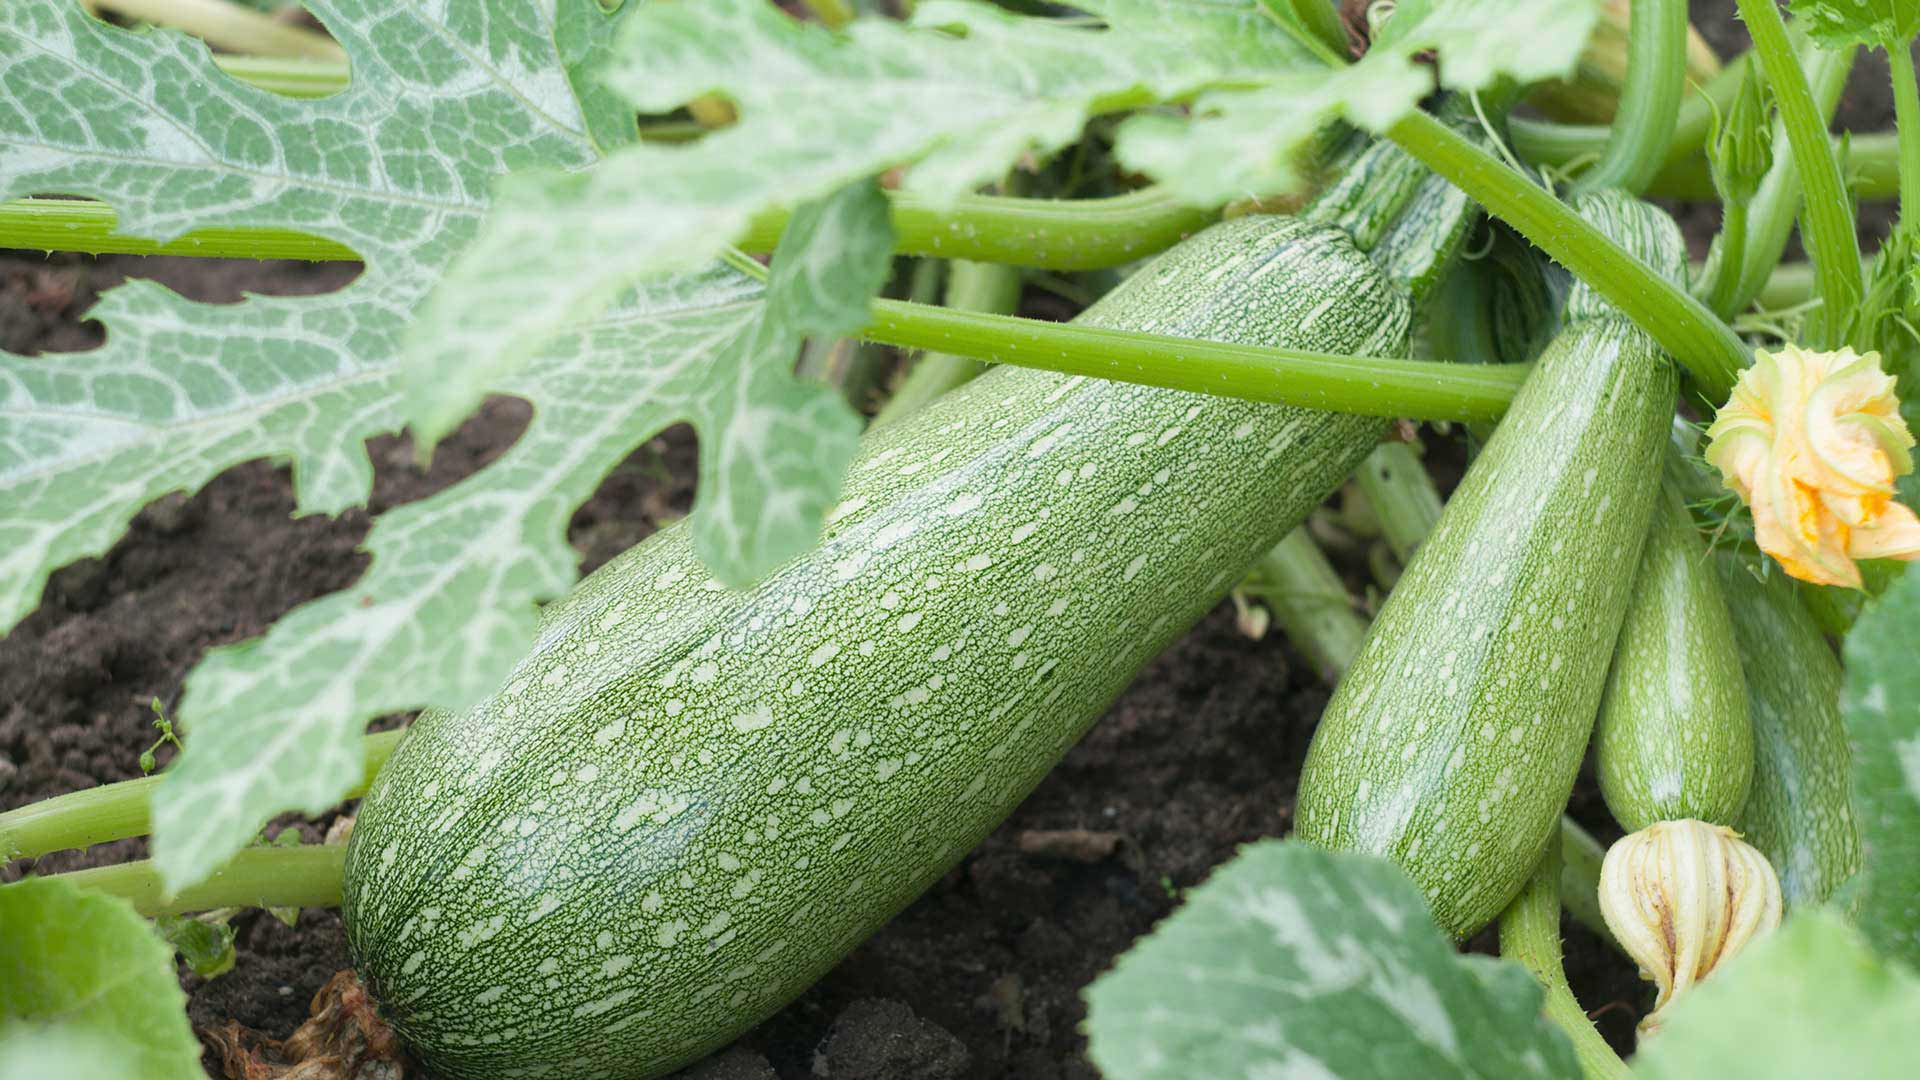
735, 1064
1080, 845
877, 1039
344, 1040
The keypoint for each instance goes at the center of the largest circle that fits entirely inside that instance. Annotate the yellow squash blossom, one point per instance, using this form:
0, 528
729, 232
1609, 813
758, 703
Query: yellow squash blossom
1813, 441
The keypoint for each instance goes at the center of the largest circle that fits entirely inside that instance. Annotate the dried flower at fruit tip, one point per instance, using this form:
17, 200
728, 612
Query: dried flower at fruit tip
1682, 897
1813, 441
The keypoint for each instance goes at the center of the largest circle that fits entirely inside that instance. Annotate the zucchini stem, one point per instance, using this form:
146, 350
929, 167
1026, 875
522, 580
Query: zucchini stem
1826, 218
1530, 933
258, 877
971, 286
117, 811
1649, 109
227, 25
1367, 386
1710, 352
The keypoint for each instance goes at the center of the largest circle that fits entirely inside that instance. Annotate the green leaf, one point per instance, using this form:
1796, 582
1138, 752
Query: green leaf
962, 94
1889, 24
1881, 702
81, 974
204, 945
400, 166
1294, 961
1808, 1000
1243, 140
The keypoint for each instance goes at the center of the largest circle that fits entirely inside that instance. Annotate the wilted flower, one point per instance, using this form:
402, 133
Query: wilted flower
1813, 442
1683, 896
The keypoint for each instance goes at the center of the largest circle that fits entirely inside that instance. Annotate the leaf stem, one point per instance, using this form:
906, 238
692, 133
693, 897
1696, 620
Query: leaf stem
116, 811
258, 877
1698, 341
1369, 386
971, 286
1906, 112
1062, 234
1826, 217
229, 26
1649, 109
1530, 933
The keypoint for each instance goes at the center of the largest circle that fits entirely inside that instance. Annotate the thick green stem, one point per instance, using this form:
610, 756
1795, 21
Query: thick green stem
1061, 234
971, 286
1771, 212
1304, 592
1580, 858
1709, 351
1644, 122
1542, 142
1320, 19
1369, 386
259, 877
1402, 496
290, 76
1530, 934
226, 25
116, 811
1906, 113
1826, 218
1722, 283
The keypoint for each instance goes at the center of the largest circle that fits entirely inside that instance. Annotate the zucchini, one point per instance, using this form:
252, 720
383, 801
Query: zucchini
686, 804
1673, 739
1800, 810
1452, 743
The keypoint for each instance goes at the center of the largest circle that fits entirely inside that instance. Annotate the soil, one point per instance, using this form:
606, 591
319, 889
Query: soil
980, 978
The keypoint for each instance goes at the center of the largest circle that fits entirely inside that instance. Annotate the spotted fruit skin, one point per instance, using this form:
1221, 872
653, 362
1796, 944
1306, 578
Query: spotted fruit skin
1452, 742
686, 804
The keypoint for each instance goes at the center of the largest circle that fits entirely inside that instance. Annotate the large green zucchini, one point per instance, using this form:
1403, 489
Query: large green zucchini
687, 803
1452, 743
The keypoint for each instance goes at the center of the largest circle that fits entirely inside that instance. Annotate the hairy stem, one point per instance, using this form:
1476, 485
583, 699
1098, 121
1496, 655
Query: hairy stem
1709, 351
1644, 122
1826, 218
971, 286
1530, 934
1369, 386
116, 811
260, 877
1906, 112
1062, 234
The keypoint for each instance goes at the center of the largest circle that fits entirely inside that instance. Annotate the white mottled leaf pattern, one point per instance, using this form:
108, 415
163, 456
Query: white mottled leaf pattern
1295, 961
963, 93
1881, 703
444, 100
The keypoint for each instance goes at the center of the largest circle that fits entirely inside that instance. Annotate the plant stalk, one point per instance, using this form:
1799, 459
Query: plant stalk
256, 877
1369, 386
1530, 934
116, 811
1704, 346
1307, 598
1826, 218
1649, 109
1906, 113
971, 286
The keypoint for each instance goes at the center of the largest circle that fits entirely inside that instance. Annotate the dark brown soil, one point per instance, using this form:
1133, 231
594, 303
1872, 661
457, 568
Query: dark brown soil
980, 978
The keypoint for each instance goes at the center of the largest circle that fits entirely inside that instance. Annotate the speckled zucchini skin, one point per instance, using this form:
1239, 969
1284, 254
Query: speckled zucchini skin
1673, 739
1452, 743
687, 803
1800, 810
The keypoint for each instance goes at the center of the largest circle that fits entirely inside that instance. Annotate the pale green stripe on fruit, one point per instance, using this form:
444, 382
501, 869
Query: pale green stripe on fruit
687, 803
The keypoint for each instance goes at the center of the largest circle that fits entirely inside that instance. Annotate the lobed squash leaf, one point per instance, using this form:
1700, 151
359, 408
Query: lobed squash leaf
1881, 703
400, 166
1295, 961
1808, 1000
87, 990
1889, 24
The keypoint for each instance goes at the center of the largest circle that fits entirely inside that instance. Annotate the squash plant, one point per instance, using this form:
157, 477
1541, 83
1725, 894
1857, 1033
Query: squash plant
643, 811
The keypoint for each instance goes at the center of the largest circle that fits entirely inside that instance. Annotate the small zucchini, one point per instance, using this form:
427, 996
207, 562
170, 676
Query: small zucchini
1452, 743
1673, 739
1800, 810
